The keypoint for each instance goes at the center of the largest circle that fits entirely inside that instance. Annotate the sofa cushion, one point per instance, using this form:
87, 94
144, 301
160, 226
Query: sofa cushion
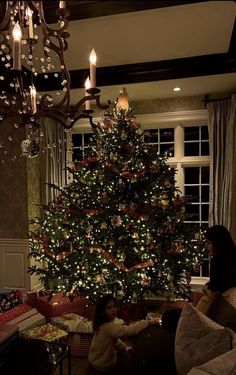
199, 339
224, 364
222, 312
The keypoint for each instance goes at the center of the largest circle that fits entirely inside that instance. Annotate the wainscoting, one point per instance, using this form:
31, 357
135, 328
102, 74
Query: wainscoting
14, 263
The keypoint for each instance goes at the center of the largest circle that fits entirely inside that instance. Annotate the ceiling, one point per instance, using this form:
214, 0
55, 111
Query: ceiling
149, 47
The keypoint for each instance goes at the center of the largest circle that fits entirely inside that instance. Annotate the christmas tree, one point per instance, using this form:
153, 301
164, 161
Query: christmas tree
118, 226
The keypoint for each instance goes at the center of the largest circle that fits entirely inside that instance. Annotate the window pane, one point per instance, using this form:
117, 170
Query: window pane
153, 149
205, 148
87, 138
205, 175
191, 149
192, 212
146, 136
205, 193
153, 136
87, 151
191, 133
191, 175
205, 268
77, 154
167, 148
192, 192
167, 135
204, 132
205, 212
77, 140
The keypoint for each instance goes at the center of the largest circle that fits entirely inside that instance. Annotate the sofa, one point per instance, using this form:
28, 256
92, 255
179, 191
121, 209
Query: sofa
190, 342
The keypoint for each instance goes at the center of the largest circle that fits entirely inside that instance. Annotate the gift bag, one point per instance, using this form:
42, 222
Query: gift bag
80, 340
80, 332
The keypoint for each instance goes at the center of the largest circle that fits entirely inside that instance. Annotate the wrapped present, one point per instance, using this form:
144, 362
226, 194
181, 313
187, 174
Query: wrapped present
7, 331
8, 300
28, 319
59, 304
49, 339
46, 332
14, 312
73, 323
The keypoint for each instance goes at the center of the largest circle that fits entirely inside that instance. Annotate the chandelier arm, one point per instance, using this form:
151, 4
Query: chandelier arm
101, 106
80, 116
60, 35
6, 18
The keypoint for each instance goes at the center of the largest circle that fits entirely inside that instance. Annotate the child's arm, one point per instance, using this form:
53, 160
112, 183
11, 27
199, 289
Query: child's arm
117, 331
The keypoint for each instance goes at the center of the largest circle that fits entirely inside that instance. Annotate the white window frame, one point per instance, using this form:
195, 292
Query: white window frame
177, 120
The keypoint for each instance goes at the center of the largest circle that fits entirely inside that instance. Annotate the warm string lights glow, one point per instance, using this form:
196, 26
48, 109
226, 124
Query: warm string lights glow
29, 48
115, 227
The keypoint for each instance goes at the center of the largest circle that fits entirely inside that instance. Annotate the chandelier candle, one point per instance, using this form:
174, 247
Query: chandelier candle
29, 14
17, 47
62, 4
87, 86
33, 99
93, 60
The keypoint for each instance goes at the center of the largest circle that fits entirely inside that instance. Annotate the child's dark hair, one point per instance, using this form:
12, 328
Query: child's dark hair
99, 315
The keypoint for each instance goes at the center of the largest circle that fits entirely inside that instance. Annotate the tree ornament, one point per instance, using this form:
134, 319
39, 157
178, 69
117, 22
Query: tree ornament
122, 104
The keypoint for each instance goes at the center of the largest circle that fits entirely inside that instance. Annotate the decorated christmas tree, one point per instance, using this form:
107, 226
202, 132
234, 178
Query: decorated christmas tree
118, 226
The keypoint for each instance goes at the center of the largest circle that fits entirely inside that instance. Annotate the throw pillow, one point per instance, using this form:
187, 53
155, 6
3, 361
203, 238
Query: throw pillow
224, 364
198, 339
222, 312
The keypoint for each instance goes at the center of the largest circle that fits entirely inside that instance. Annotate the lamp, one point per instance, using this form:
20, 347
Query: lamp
23, 29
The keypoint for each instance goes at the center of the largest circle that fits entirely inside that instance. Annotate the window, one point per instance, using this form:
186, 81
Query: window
161, 140
184, 136
80, 146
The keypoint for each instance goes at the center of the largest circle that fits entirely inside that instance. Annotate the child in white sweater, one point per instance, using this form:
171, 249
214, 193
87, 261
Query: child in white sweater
107, 333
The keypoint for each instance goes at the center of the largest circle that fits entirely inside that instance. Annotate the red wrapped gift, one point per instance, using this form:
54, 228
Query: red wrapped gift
14, 312
59, 304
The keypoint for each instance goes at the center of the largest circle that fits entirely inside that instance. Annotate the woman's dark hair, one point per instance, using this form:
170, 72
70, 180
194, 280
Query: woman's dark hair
221, 240
99, 315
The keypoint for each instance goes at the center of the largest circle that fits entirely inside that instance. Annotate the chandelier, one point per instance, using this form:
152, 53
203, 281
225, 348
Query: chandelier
30, 49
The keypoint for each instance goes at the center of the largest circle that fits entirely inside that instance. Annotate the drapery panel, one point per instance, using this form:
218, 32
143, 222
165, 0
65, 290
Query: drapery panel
222, 137
53, 159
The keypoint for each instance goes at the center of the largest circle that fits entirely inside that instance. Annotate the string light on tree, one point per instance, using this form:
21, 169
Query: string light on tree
118, 225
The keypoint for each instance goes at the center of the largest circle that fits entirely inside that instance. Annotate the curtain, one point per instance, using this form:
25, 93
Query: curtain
53, 159
222, 137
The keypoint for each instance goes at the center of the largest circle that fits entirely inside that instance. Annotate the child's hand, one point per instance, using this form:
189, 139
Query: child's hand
154, 321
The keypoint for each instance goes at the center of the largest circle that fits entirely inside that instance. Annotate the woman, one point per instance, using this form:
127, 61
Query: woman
106, 343
222, 249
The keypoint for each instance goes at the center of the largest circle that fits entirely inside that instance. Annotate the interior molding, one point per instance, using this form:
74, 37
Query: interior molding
84, 9
195, 66
172, 117
151, 119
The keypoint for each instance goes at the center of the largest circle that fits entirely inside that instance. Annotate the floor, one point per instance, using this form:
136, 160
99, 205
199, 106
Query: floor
78, 365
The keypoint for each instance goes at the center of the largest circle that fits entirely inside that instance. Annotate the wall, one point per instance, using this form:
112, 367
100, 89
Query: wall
13, 186
168, 105
19, 202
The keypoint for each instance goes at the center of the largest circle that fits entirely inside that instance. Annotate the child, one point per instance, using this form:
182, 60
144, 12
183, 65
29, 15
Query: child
107, 333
